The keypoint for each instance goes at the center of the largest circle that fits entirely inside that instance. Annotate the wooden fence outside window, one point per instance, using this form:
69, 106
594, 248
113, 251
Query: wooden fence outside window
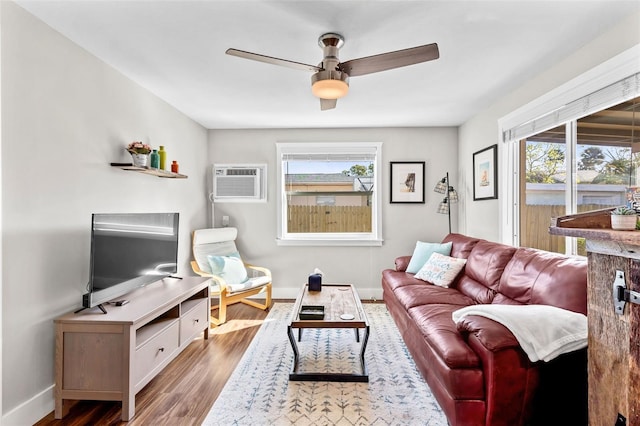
535, 221
319, 219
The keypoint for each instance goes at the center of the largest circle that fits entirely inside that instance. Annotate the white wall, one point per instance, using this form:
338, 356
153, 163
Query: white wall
482, 129
403, 224
65, 116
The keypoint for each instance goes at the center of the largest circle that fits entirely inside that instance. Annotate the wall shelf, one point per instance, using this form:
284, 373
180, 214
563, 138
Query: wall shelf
148, 171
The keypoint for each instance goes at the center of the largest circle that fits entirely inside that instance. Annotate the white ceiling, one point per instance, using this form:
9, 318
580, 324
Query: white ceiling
176, 49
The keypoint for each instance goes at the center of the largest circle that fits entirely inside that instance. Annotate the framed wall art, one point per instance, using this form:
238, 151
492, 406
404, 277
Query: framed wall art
485, 173
407, 181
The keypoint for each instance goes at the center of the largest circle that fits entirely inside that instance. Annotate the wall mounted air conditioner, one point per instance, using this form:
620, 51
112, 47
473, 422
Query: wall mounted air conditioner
239, 183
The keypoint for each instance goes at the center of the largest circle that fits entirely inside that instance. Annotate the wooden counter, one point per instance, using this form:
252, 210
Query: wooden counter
614, 340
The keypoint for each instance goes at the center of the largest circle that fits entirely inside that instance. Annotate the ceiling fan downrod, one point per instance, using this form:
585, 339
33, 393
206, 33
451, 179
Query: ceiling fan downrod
330, 82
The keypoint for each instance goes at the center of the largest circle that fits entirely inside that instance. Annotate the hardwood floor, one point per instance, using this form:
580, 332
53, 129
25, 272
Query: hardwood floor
185, 390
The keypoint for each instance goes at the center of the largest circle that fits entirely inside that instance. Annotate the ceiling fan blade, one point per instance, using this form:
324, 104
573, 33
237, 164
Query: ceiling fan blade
390, 60
272, 60
326, 104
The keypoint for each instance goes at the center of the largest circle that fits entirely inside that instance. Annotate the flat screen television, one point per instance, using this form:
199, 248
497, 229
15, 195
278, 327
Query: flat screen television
128, 251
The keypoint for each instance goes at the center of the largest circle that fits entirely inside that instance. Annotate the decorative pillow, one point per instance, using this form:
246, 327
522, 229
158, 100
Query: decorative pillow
230, 268
423, 251
441, 270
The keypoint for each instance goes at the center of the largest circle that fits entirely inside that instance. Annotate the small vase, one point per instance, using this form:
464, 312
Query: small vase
155, 159
140, 160
163, 157
624, 222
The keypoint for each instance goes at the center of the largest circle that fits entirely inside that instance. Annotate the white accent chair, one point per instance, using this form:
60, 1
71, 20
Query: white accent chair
214, 246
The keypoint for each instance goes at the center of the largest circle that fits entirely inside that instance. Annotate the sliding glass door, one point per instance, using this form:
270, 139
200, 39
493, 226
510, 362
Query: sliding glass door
582, 165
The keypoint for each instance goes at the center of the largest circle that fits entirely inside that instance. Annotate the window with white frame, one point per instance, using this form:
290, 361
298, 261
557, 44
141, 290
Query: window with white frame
579, 157
329, 193
589, 166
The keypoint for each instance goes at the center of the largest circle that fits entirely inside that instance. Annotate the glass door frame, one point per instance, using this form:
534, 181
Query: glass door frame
611, 71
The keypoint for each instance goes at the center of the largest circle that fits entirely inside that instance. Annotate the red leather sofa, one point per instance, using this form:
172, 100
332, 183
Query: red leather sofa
476, 369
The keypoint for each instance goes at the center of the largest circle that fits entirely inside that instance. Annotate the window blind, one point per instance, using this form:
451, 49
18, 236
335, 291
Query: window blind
620, 91
359, 156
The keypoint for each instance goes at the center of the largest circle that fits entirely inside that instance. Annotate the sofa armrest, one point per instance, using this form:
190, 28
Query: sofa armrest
493, 335
402, 262
519, 391
510, 378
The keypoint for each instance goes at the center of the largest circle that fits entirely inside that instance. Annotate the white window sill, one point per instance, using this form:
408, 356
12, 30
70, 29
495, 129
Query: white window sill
320, 242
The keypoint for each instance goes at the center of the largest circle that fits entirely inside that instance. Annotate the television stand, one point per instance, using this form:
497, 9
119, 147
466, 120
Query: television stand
111, 357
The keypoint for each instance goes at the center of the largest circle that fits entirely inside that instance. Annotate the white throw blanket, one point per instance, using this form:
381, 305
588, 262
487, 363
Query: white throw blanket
544, 332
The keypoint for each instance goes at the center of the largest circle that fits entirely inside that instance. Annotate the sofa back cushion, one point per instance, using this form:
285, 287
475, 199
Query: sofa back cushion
485, 265
540, 277
499, 273
461, 246
474, 290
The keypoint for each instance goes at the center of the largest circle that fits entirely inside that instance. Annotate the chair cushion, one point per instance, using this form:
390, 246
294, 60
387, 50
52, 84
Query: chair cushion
202, 251
230, 268
248, 284
214, 235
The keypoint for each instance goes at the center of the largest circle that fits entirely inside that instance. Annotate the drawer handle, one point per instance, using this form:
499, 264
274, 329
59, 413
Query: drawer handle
161, 350
197, 320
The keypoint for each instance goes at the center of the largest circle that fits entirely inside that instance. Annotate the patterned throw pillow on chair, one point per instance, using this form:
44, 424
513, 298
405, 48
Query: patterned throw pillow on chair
230, 268
441, 270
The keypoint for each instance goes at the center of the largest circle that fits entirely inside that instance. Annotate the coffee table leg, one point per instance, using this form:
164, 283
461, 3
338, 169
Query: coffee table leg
294, 346
365, 339
330, 377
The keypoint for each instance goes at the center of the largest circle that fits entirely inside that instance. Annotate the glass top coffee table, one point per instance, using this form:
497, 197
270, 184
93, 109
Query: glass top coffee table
335, 306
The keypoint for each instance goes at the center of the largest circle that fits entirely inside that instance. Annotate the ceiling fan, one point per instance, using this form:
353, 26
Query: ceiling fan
330, 80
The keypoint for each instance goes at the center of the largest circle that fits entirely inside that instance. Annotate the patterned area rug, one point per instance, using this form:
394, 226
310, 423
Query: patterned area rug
259, 391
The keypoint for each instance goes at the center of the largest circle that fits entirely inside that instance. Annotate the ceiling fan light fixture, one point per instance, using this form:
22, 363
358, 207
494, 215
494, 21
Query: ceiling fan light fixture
330, 89
329, 84
330, 80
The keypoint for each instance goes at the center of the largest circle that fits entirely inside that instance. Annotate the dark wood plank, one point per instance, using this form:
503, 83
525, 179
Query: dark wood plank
597, 219
626, 237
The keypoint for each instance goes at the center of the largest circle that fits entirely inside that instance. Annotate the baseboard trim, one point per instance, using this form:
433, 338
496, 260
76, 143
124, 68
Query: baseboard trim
32, 410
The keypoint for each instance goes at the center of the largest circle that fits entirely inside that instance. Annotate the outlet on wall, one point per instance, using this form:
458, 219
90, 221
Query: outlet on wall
225, 221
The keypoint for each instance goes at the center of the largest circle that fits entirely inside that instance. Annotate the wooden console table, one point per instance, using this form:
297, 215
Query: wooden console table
614, 333
112, 356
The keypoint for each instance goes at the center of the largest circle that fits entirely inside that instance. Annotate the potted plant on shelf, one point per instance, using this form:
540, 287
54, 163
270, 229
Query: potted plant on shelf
139, 153
623, 218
